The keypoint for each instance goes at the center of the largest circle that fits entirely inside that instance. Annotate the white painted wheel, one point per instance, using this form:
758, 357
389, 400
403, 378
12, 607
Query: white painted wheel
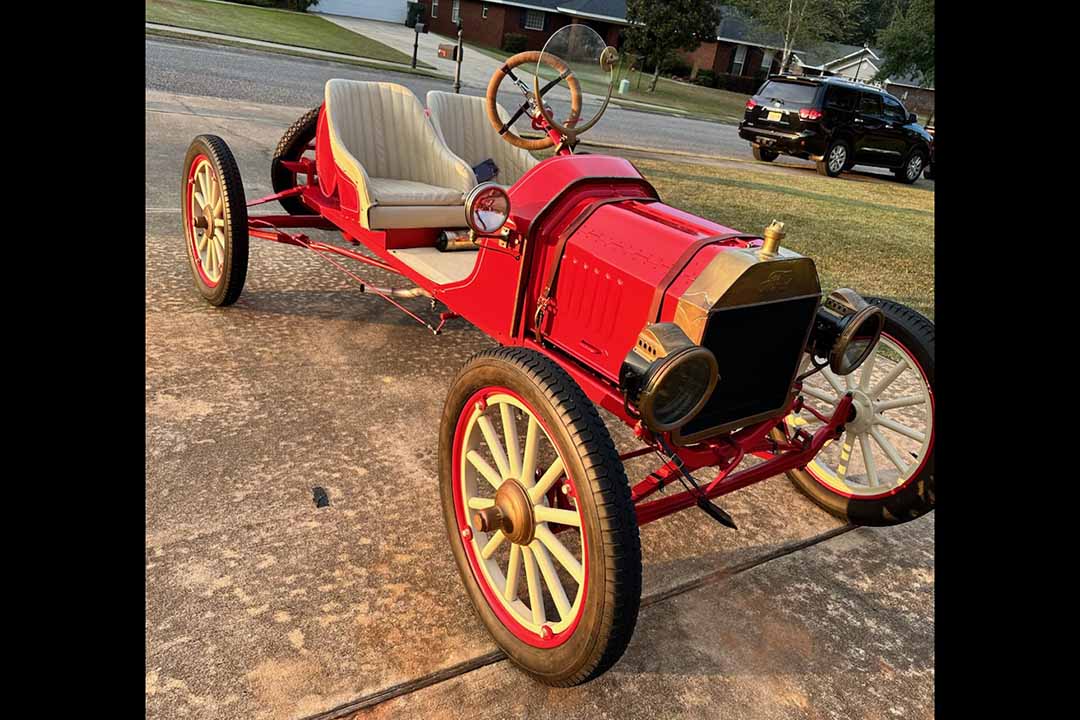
882, 448
881, 470
539, 516
504, 442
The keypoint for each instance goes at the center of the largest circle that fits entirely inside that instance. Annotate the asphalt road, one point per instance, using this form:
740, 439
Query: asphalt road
261, 605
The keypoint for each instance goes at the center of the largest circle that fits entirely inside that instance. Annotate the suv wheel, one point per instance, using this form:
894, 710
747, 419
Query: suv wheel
836, 159
912, 169
764, 155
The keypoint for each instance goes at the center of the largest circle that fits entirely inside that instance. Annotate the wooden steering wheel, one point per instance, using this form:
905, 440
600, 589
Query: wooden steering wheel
530, 104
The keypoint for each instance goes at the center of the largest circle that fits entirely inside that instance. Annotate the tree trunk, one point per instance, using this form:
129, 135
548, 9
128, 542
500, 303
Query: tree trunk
655, 76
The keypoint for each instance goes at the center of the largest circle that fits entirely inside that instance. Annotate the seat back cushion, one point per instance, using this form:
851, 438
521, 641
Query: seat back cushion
382, 128
462, 123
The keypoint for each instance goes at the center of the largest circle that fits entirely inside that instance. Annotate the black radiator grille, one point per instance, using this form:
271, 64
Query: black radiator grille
758, 348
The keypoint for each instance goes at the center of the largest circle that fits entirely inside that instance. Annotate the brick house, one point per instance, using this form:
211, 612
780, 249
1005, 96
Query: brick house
741, 47
487, 22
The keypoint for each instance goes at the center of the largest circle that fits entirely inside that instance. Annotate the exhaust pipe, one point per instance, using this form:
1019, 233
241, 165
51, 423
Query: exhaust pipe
395, 292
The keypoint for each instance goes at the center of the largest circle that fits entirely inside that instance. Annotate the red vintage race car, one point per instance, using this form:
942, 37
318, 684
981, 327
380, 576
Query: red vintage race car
715, 346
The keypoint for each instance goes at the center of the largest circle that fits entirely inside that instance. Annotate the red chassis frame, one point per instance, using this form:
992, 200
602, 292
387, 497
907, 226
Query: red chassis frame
725, 451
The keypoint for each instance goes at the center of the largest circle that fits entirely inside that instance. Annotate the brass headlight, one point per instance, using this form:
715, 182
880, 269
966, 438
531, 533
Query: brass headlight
667, 377
846, 330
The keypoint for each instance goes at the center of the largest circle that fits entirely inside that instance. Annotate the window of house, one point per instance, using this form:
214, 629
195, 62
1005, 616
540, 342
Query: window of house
894, 111
434, 8
534, 20
738, 61
483, 11
766, 60
870, 104
455, 11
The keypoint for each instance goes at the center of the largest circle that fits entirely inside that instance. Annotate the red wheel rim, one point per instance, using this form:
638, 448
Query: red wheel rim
209, 261
549, 634
827, 479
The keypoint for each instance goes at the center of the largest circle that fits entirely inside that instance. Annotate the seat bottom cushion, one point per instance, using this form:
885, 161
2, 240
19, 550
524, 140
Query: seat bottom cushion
388, 217
392, 192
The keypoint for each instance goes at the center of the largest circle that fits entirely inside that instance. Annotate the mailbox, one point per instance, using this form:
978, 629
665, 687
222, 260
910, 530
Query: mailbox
448, 51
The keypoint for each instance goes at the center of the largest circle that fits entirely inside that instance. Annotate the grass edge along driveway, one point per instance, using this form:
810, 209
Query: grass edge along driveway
271, 25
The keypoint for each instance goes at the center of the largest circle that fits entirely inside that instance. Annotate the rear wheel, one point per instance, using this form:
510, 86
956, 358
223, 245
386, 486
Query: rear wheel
836, 159
297, 142
912, 169
539, 517
215, 220
881, 471
764, 155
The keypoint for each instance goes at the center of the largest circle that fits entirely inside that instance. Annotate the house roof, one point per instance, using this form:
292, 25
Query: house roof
607, 10
736, 26
546, 5
827, 54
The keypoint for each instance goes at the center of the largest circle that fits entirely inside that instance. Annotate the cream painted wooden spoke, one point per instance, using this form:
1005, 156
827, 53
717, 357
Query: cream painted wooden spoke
208, 207
552, 565
893, 427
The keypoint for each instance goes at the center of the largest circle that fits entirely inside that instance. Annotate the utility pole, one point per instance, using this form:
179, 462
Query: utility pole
457, 69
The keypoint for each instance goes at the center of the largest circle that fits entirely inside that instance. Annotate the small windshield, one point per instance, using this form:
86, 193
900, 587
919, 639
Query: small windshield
576, 54
788, 92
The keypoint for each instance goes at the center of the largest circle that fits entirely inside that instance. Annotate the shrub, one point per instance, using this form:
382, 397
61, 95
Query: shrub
514, 42
706, 78
745, 84
678, 68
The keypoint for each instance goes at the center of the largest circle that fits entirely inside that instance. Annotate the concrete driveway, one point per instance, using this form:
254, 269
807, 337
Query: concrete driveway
261, 605
475, 74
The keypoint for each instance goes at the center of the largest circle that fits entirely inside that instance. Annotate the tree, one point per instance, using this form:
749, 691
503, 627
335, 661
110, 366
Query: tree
658, 29
872, 18
802, 23
908, 43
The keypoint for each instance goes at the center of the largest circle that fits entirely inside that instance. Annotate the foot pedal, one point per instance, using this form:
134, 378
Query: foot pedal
716, 513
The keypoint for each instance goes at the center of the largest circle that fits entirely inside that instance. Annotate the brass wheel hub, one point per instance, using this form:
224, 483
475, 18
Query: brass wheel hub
512, 513
864, 412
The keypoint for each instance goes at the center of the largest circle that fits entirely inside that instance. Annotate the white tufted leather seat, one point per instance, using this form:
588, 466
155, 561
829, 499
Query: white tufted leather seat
405, 175
462, 123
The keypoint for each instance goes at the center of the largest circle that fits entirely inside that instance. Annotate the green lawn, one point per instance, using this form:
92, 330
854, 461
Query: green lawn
289, 28
669, 96
877, 238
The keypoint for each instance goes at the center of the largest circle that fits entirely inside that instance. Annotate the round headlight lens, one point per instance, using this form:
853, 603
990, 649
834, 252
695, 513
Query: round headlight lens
857, 341
678, 388
486, 208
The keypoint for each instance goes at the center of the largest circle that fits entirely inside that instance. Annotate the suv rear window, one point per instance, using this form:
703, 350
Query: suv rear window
789, 92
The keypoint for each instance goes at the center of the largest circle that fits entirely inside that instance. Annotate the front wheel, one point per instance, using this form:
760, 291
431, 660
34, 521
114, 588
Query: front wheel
836, 159
538, 512
215, 220
912, 169
881, 470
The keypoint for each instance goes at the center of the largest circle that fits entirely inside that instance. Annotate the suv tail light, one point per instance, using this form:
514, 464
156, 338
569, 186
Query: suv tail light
750, 104
809, 113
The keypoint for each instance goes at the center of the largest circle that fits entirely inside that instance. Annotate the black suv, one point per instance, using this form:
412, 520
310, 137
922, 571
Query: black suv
836, 123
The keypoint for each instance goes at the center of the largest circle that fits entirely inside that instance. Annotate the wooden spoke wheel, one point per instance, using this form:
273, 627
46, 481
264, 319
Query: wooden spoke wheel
881, 470
539, 517
215, 220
